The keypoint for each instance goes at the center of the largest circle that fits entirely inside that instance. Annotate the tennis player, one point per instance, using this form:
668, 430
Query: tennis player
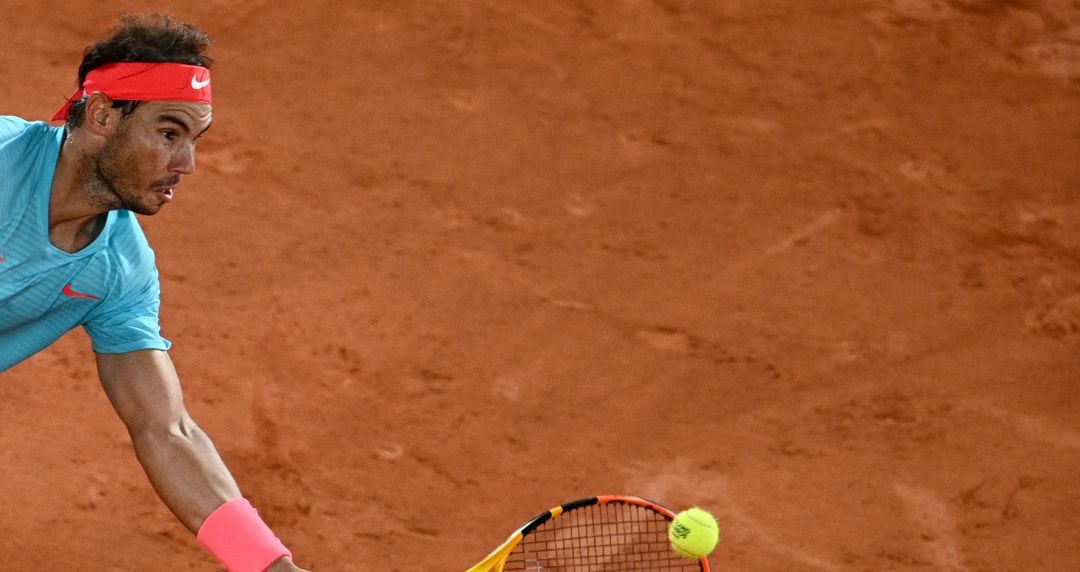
72, 254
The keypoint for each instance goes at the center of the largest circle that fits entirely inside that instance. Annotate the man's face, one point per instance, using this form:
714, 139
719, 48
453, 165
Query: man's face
142, 161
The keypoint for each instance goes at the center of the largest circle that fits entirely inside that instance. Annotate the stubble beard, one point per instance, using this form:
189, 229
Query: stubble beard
109, 175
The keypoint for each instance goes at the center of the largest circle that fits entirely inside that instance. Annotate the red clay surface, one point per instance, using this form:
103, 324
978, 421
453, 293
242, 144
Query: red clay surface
814, 266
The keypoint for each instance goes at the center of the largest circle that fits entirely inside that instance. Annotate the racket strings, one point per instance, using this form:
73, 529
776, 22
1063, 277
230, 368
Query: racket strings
612, 537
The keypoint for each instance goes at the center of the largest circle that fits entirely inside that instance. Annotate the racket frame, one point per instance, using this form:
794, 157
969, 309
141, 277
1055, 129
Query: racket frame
495, 561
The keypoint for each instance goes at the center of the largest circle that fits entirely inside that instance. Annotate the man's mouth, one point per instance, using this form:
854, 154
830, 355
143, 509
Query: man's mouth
165, 194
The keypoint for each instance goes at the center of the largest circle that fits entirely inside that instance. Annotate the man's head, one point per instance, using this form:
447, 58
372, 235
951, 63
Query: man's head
148, 38
134, 148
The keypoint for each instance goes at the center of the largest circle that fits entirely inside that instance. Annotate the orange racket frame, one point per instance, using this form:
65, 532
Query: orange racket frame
495, 561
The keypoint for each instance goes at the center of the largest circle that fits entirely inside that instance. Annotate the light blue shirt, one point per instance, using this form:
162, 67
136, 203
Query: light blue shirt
110, 287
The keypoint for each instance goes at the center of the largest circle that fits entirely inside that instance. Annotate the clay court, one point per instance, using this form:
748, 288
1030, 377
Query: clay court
814, 266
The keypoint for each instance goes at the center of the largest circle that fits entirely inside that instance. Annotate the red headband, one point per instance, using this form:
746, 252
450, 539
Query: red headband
144, 82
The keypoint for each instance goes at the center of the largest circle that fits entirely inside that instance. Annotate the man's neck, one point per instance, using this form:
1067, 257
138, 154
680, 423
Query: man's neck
74, 222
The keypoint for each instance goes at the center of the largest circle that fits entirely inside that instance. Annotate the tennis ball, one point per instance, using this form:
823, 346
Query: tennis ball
693, 533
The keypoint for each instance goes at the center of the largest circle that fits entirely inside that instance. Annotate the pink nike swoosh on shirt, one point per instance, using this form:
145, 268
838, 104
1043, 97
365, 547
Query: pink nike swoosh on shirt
70, 292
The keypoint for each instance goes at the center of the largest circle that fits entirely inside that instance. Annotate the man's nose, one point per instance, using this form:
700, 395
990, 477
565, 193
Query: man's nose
183, 162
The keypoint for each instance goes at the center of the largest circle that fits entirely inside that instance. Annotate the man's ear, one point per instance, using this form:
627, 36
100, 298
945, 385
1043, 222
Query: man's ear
99, 117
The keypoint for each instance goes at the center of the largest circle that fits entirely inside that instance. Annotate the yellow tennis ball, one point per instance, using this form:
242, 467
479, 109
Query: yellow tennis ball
693, 533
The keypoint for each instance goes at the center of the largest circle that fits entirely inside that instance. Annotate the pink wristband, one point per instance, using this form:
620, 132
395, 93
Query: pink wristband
236, 535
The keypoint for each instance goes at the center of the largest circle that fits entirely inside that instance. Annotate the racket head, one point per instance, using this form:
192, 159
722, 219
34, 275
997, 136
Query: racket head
596, 534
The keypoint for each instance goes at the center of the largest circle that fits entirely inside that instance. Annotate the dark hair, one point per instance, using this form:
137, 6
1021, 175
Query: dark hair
150, 38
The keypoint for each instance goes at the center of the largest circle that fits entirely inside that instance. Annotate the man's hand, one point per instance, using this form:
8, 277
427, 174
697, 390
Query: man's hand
284, 564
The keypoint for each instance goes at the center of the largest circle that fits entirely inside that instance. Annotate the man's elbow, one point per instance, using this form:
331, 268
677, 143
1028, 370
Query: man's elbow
180, 430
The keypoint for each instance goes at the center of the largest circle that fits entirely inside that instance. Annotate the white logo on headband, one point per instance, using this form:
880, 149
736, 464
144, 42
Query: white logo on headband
196, 84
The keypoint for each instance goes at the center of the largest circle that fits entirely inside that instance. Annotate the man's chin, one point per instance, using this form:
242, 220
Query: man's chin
144, 209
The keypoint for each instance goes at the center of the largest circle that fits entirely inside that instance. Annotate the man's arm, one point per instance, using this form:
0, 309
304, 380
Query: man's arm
180, 460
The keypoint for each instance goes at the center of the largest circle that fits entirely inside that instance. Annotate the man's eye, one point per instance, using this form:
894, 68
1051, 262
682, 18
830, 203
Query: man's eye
168, 134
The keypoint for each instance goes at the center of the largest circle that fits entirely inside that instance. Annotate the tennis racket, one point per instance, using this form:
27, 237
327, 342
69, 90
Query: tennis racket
596, 534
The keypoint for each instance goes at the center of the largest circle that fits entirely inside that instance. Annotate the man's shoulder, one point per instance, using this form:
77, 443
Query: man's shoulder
20, 136
127, 259
126, 232
127, 241
12, 127
26, 159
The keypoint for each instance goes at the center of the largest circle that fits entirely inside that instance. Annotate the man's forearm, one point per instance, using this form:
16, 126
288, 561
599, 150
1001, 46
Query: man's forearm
182, 464
185, 469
